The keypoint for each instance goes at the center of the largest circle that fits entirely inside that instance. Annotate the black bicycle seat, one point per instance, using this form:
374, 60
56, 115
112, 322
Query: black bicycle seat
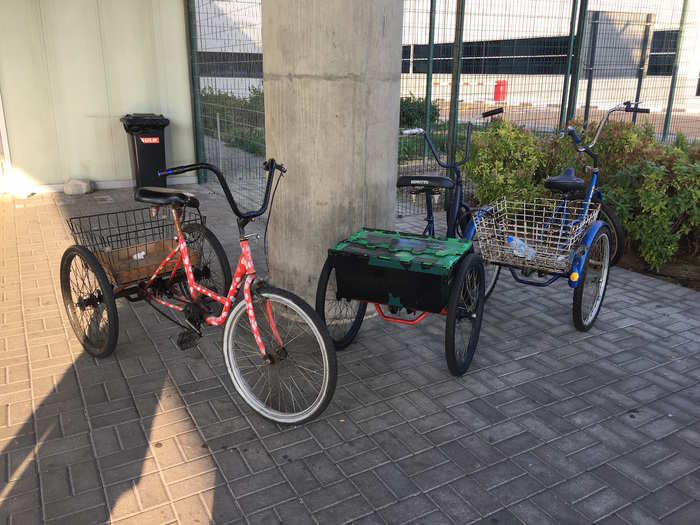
421, 182
566, 182
165, 197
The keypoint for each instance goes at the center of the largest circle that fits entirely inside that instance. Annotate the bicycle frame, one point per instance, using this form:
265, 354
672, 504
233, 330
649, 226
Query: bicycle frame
244, 275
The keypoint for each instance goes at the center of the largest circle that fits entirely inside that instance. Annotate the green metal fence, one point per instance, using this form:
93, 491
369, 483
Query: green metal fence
546, 61
226, 66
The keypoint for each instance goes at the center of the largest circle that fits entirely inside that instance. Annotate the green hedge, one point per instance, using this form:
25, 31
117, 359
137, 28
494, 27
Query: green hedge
653, 187
242, 119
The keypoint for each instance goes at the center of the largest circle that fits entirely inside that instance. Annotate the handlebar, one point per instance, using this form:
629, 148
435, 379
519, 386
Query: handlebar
269, 165
420, 131
492, 112
628, 107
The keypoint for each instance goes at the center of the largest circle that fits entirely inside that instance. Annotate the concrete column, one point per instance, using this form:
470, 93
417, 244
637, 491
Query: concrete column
331, 77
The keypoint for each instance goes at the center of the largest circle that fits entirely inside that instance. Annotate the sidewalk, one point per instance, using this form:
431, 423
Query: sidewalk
550, 425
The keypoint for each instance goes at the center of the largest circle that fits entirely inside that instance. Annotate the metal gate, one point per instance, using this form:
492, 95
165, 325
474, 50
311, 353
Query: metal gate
546, 61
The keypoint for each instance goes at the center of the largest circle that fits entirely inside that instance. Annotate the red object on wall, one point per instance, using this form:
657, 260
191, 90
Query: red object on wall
500, 90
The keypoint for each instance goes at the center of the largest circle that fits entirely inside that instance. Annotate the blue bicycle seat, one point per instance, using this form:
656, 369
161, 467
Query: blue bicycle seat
566, 182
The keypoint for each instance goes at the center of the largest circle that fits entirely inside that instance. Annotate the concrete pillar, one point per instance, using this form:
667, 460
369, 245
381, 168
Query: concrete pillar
331, 78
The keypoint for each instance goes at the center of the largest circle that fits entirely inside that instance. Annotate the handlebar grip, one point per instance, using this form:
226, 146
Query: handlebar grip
572, 133
633, 107
492, 112
176, 171
412, 131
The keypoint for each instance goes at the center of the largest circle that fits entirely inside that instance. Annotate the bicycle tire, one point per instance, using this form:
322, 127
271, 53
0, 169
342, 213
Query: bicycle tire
458, 362
584, 321
341, 335
617, 232
241, 353
222, 287
491, 271
100, 293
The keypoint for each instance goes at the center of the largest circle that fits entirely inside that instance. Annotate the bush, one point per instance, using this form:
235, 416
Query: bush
241, 119
412, 113
659, 207
654, 188
504, 161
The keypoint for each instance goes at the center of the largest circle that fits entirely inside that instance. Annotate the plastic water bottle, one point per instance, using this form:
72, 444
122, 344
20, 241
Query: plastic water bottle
521, 248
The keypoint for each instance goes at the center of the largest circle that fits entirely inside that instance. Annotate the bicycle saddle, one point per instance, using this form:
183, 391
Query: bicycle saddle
165, 197
566, 182
421, 182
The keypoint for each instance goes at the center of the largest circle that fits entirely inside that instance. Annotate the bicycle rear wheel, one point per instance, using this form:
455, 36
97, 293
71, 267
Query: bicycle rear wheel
465, 308
342, 317
89, 301
297, 382
209, 264
491, 271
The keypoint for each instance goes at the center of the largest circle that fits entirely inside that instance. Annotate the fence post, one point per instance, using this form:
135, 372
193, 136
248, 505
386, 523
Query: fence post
567, 74
196, 89
429, 74
591, 66
578, 48
643, 61
218, 140
674, 74
456, 72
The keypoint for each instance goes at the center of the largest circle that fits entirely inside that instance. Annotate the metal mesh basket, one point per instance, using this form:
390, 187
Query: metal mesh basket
130, 244
539, 235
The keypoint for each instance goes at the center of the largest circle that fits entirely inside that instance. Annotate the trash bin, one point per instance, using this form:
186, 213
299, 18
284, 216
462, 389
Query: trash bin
147, 151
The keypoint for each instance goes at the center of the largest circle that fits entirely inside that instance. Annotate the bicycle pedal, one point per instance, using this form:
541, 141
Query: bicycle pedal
187, 339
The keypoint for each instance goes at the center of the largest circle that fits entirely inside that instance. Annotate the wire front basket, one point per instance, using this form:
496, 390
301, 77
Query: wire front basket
131, 244
540, 235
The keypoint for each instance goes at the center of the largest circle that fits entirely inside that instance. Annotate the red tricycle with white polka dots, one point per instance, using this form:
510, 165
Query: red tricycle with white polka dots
279, 355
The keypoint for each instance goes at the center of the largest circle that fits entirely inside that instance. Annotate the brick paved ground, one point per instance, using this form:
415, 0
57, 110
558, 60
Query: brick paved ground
549, 425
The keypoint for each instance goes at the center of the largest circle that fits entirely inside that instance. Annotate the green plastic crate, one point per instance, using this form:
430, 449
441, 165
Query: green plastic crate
398, 269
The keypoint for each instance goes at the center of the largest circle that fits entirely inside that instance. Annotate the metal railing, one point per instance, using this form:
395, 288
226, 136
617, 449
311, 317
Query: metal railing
546, 61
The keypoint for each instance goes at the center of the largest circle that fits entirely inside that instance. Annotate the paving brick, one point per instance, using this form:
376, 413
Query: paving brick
664, 501
330, 495
565, 433
400, 484
470, 490
373, 490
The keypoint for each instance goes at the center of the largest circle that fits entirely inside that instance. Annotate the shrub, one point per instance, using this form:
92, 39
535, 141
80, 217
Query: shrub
503, 162
241, 119
412, 113
658, 206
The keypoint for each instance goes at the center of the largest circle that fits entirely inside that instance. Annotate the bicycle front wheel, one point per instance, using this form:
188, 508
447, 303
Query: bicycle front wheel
465, 308
297, 381
342, 317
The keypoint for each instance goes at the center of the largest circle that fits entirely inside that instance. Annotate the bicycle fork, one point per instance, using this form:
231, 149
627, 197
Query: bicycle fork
247, 262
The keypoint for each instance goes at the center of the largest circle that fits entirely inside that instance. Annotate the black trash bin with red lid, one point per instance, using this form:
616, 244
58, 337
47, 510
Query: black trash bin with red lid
147, 151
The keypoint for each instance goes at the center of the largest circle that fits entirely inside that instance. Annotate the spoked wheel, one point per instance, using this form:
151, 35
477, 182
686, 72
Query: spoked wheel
296, 382
342, 317
491, 271
616, 232
209, 263
465, 308
588, 295
89, 301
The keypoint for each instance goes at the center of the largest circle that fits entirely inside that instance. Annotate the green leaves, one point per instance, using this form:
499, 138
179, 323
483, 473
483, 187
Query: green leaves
659, 206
